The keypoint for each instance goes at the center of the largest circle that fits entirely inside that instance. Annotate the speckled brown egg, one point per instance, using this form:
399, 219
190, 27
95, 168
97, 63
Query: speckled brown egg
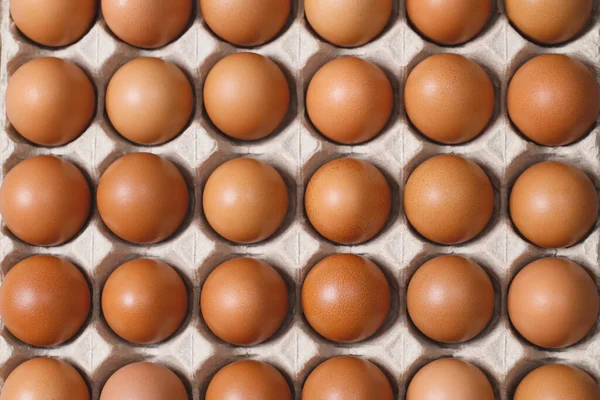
346, 298
142, 198
553, 99
44, 378
553, 204
348, 201
553, 302
147, 24
244, 301
44, 300
144, 301
149, 101
248, 380
245, 200
449, 98
348, 23
450, 299
50, 101
347, 378
449, 199
557, 382
246, 96
45, 200
349, 100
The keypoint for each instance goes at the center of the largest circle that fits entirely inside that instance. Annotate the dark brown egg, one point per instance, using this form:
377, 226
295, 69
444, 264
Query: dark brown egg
142, 198
557, 382
346, 298
349, 100
44, 300
244, 301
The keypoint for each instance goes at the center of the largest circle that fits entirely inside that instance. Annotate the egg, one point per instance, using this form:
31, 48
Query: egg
348, 201
346, 298
149, 101
449, 199
553, 99
142, 198
45, 200
449, 98
247, 380
553, 204
148, 24
557, 382
245, 200
244, 301
50, 101
348, 23
44, 300
246, 96
347, 377
553, 302
349, 100
450, 299
144, 301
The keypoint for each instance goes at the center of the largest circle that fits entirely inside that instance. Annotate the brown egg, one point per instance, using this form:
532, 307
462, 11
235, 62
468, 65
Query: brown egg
147, 24
348, 201
449, 199
142, 198
553, 99
44, 300
50, 101
346, 298
450, 299
553, 204
149, 101
246, 96
347, 378
349, 100
557, 382
246, 22
45, 200
348, 23
553, 302
245, 200
449, 98
144, 301
247, 380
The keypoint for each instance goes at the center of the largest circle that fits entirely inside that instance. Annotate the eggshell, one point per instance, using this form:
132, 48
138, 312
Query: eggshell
246, 96
553, 99
245, 200
449, 199
553, 302
346, 298
553, 204
557, 382
50, 101
348, 201
449, 98
44, 300
349, 100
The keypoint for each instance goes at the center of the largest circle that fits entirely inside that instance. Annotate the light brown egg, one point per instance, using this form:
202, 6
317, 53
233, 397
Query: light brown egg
449, 199
143, 198
553, 99
45, 200
348, 201
246, 96
245, 200
449, 98
553, 302
50, 101
348, 23
149, 101
349, 100
346, 298
553, 204
44, 300
557, 382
